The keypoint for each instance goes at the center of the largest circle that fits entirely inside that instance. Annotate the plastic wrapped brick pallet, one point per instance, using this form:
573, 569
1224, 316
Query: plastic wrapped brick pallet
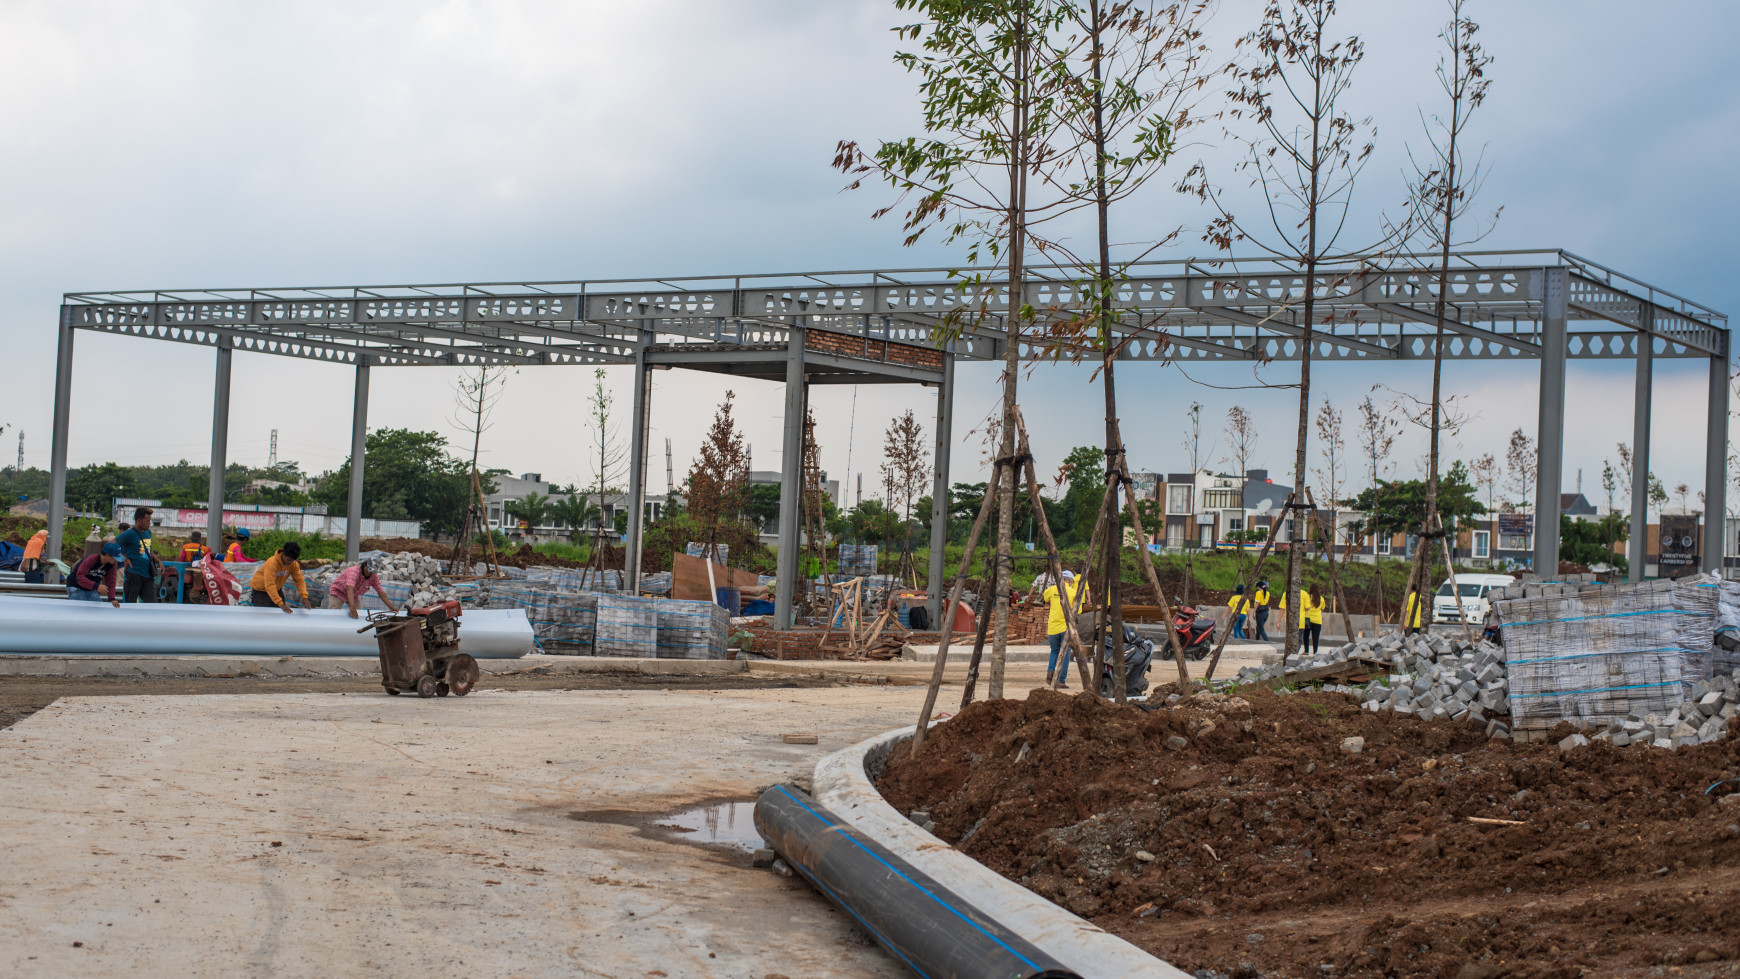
1603, 655
627, 626
691, 630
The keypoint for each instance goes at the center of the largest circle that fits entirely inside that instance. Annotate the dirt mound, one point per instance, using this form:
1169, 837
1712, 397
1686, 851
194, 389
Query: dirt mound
1237, 835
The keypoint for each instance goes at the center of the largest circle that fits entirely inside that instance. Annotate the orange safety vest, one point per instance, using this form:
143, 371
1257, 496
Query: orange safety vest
191, 552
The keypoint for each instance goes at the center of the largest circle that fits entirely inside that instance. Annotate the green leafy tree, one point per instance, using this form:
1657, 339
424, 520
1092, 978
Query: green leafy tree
94, 488
1399, 507
574, 510
1590, 542
1085, 472
763, 507
406, 475
533, 508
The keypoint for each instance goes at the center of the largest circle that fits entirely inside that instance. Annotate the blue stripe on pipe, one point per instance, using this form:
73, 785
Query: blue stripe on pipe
847, 834
887, 943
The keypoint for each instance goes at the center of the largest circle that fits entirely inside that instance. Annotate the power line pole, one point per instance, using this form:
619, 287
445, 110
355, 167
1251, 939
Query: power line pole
20, 452
670, 476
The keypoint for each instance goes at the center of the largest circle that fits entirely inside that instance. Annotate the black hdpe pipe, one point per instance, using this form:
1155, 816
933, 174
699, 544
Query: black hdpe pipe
929, 929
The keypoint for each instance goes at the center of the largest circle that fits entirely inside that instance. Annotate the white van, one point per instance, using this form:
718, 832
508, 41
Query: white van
1473, 589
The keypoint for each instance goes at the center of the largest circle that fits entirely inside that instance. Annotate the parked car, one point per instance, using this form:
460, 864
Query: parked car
1473, 589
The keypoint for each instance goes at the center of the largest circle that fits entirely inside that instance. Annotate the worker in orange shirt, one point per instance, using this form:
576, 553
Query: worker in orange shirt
194, 549
234, 553
32, 563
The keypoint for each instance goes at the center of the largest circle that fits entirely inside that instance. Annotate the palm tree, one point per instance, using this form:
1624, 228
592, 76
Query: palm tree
575, 511
534, 509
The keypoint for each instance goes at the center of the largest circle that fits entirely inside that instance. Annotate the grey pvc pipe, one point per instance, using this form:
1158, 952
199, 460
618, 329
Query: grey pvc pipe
922, 923
60, 627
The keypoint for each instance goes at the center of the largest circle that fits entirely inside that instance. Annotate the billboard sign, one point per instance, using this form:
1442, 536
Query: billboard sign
1678, 542
1517, 524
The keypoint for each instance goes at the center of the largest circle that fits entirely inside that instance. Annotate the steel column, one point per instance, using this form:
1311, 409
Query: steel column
939, 492
1637, 539
63, 361
637, 434
1550, 430
1716, 464
790, 481
359, 418
220, 448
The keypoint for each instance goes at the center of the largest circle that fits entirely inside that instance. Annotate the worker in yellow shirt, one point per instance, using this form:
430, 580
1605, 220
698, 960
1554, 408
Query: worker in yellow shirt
268, 581
1260, 601
1310, 619
1237, 607
1057, 627
1411, 616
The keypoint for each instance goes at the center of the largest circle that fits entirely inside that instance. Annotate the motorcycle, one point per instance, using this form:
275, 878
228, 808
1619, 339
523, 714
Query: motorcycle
1138, 654
1195, 630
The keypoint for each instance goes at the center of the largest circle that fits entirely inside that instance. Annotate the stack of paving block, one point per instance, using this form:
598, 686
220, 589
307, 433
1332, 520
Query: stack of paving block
691, 630
1725, 652
1703, 716
1597, 655
857, 560
719, 553
627, 626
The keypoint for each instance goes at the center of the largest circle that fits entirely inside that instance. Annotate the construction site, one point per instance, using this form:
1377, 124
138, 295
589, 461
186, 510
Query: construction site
1027, 713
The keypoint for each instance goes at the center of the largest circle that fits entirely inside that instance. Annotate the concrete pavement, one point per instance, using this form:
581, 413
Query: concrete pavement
502, 834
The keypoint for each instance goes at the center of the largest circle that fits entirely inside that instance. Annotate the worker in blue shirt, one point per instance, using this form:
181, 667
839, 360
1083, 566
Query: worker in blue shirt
135, 544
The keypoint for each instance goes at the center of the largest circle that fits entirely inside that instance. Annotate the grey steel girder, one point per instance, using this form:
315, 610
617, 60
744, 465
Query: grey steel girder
1374, 309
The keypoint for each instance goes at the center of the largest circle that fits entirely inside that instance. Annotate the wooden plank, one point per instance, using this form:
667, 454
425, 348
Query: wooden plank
689, 578
1349, 670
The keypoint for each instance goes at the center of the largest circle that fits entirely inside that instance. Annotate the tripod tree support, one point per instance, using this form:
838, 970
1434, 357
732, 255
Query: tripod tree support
1003, 469
1053, 560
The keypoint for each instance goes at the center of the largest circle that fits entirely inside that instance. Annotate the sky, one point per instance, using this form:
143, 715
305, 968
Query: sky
195, 143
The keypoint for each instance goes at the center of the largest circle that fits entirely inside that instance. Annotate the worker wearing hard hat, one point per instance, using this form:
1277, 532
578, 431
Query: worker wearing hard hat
233, 553
1057, 627
268, 581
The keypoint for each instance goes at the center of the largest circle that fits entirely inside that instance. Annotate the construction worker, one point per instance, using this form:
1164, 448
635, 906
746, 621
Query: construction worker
138, 583
32, 563
268, 581
233, 554
1310, 619
1057, 627
351, 583
96, 576
194, 549
1411, 616
1260, 600
1237, 607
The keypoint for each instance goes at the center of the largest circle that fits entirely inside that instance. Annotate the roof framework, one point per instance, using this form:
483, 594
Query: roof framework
915, 325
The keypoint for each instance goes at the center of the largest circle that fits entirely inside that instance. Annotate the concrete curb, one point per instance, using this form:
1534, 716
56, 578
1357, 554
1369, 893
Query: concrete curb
339, 666
843, 784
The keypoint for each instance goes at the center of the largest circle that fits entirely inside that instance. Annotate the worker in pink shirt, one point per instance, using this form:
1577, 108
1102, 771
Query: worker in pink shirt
351, 584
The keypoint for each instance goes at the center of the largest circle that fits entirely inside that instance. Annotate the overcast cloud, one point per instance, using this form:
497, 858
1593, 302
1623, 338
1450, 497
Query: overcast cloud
187, 144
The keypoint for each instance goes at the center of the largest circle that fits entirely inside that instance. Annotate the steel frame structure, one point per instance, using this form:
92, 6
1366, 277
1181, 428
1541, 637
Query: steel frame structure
915, 325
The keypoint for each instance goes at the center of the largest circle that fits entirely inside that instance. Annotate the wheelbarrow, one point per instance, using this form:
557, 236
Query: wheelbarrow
420, 651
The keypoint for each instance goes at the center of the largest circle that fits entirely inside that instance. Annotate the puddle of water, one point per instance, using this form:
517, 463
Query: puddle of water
725, 823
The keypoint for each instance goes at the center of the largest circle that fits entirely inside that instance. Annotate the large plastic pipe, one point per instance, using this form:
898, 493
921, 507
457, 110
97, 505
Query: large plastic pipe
60, 627
929, 929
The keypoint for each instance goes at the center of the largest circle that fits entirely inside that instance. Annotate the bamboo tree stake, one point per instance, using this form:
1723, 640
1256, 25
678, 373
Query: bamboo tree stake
1450, 571
1329, 557
1147, 563
1054, 561
942, 649
1250, 590
988, 585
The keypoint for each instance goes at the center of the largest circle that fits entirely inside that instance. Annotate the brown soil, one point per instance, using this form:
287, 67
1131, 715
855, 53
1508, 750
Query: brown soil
1277, 853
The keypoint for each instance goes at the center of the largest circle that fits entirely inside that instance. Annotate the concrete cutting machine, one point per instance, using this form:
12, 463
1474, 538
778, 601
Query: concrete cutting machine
420, 651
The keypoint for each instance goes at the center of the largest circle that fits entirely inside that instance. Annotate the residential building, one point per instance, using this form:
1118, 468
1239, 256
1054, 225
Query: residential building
513, 488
